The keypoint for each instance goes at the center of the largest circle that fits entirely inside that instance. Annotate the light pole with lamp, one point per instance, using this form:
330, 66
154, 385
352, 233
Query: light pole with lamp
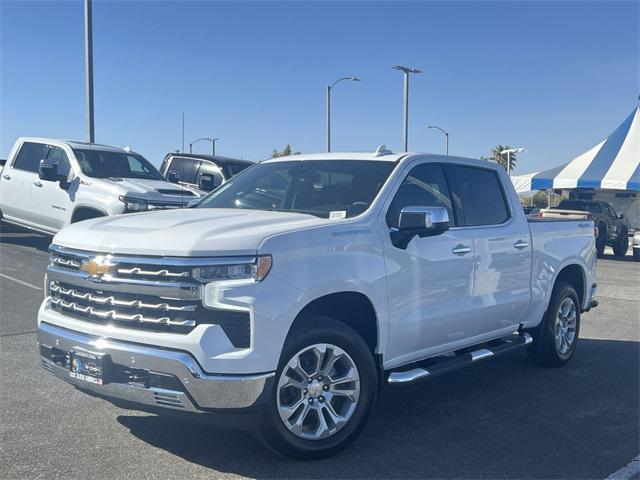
509, 151
329, 87
407, 71
446, 135
209, 139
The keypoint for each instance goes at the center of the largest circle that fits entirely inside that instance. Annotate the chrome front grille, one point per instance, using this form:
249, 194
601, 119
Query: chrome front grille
139, 292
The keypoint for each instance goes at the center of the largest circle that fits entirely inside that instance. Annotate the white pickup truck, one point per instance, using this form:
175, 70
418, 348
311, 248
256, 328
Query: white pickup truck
288, 296
46, 184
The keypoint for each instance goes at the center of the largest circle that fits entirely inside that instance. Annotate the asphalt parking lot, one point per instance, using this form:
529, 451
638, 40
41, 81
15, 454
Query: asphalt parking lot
500, 419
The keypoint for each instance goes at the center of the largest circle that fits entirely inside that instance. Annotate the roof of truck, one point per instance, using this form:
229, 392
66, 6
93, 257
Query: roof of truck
212, 158
75, 144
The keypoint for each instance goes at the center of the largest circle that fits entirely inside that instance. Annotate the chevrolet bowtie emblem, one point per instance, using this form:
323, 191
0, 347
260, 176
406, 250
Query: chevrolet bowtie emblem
96, 267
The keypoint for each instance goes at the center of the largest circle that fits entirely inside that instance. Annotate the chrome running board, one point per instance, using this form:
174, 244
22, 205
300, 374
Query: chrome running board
460, 358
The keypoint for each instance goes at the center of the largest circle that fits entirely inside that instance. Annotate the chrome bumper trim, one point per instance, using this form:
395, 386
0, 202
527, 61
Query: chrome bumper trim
200, 391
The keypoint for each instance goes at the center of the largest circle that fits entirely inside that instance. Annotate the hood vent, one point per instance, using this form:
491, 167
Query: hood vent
186, 193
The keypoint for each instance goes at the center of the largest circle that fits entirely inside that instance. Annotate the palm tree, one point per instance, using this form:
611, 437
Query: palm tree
498, 157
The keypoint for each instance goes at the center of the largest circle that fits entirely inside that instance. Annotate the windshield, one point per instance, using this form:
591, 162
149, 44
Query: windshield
325, 188
106, 164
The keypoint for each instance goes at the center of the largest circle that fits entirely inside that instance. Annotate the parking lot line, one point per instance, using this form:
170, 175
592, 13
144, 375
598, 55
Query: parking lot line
20, 282
626, 473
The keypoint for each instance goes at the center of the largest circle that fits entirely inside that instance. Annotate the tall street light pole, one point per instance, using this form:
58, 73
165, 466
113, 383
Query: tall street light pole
208, 139
407, 71
446, 135
329, 87
88, 62
509, 151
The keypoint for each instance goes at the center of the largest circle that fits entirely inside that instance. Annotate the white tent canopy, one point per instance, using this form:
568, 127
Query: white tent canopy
613, 164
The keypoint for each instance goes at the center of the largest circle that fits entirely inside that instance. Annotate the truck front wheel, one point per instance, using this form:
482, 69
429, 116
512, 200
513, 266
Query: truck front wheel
555, 339
622, 244
326, 386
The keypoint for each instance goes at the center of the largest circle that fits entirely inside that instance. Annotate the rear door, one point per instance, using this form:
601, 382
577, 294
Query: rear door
50, 202
18, 179
502, 250
187, 169
212, 173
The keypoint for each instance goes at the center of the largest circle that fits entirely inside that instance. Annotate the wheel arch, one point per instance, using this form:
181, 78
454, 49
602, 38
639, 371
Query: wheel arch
575, 275
85, 212
352, 308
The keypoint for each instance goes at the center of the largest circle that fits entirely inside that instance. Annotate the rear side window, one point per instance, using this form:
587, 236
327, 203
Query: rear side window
29, 156
483, 199
187, 168
424, 186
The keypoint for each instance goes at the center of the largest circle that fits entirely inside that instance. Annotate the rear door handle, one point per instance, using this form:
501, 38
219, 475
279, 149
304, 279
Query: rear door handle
461, 250
520, 244
37, 183
6, 176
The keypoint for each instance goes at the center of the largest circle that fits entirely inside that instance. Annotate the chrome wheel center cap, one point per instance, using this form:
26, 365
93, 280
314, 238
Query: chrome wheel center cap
315, 389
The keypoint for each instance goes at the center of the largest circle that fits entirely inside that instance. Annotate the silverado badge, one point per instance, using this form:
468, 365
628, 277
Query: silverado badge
96, 266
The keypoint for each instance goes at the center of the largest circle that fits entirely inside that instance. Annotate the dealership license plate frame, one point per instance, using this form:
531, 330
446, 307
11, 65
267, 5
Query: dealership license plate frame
87, 367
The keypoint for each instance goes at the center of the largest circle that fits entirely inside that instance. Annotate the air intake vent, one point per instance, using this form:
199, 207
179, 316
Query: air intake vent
168, 398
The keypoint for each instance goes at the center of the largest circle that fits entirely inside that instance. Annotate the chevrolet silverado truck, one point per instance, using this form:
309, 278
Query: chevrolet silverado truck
285, 299
47, 184
612, 227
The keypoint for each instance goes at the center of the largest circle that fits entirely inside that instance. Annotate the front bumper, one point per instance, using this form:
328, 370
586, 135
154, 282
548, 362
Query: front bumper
153, 377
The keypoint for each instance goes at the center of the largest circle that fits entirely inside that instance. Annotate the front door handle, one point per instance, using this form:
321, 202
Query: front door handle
520, 244
461, 249
6, 176
37, 183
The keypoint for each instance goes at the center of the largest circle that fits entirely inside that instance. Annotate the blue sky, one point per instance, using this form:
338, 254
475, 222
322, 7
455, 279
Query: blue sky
555, 77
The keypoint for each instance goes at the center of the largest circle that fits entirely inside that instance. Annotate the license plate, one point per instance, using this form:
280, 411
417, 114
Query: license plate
86, 367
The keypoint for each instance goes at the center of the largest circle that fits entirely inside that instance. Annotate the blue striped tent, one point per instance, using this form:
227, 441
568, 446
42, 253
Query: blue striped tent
613, 164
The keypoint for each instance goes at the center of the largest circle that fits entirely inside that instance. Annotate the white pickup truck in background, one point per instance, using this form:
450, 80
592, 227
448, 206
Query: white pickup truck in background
47, 184
298, 288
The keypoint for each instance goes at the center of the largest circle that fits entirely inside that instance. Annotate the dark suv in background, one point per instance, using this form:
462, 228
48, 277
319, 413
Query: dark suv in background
612, 227
201, 172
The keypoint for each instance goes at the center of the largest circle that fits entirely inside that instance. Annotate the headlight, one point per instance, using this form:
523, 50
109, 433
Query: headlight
255, 271
133, 204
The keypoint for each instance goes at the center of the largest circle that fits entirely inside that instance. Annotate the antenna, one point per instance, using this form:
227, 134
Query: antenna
382, 150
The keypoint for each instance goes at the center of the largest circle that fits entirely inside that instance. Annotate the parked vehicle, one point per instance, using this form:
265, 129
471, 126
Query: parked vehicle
612, 227
636, 246
531, 210
292, 293
47, 184
202, 173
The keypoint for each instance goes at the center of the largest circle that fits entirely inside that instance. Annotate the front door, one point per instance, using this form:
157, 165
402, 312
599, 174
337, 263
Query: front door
430, 282
49, 201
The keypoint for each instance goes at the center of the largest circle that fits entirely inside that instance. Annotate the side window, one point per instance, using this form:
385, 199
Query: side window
56, 153
211, 170
187, 168
425, 186
483, 198
595, 208
29, 156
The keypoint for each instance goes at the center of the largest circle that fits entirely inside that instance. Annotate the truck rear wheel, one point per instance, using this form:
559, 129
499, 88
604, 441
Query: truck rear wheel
622, 244
326, 386
555, 340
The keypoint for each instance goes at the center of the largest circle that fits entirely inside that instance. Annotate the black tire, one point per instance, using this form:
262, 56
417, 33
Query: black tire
622, 245
314, 329
601, 241
636, 254
544, 350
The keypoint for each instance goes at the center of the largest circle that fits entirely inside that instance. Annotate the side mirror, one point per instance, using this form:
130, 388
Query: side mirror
421, 222
173, 176
207, 183
48, 170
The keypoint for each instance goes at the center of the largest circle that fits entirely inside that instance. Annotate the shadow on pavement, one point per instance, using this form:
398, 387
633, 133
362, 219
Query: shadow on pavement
505, 418
13, 235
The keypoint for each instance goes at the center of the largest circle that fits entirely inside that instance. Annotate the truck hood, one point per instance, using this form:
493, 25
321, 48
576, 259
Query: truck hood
150, 190
183, 232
